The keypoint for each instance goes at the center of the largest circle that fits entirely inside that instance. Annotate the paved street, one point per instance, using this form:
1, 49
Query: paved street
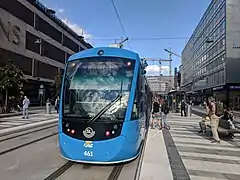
202, 159
180, 152
32, 110
15, 121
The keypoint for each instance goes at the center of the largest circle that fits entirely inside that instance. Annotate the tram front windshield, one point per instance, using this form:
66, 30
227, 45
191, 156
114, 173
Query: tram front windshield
91, 84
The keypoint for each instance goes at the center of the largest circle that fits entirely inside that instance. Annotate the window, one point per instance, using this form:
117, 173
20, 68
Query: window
30, 43
136, 105
48, 29
45, 70
53, 52
18, 10
22, 62
70, 44
95, 82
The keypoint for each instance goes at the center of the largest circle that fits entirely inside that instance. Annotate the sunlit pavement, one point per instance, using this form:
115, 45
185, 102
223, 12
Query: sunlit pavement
201, 158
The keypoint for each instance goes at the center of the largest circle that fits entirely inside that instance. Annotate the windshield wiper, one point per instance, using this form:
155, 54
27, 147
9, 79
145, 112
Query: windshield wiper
100, 113
110, 104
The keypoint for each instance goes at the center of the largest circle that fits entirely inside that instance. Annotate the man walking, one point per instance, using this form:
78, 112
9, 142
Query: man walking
165, 112
57, 104
26, 103
156, 114
183, 108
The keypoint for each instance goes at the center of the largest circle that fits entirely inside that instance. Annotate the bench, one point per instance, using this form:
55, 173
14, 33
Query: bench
224, 128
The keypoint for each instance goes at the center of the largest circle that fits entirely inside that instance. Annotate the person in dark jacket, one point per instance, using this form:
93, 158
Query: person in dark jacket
57, 104
183, 108
156, 114
165, 112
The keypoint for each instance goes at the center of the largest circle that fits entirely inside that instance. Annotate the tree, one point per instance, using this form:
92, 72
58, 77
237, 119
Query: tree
57, 84
11, 79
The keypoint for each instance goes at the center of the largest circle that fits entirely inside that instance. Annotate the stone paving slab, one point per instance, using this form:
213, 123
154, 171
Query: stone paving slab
15, 121
155, 161
201, 158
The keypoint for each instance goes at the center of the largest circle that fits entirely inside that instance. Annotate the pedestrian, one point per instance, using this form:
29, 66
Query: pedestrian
183, 108
205, 120
156, 114
164, 112
26, 103
57, 104
214, 120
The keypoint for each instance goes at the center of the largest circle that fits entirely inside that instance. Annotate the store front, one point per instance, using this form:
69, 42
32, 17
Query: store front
38, 92
234, 97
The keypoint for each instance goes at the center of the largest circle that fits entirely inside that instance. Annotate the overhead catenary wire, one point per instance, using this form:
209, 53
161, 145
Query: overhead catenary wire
130, 38
120, 22
135, 38
139, 38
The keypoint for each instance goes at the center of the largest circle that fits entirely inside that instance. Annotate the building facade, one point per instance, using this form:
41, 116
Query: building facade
211, 58
160, 84
37, 42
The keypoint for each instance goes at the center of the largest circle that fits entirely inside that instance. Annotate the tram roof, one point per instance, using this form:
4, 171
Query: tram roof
106, 51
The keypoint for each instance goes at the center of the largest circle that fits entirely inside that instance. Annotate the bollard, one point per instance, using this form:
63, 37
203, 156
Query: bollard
48, 108
189, 110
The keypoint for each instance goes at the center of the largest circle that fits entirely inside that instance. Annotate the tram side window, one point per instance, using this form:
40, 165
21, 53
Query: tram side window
142, 94
68, 98
136, 104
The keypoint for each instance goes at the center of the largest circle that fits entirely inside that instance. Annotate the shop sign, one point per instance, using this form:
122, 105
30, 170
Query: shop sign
234, 87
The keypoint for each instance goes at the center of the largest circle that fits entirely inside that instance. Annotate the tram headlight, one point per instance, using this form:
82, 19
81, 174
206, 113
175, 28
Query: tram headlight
107, 133
67, 125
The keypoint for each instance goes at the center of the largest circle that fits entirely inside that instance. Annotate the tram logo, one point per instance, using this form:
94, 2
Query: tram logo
88, 144
88, 132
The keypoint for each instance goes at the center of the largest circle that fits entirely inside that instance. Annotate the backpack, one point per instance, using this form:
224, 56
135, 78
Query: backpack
165, 109
219, 109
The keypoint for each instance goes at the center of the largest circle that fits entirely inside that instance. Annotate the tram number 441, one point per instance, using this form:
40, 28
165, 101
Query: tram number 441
88, 153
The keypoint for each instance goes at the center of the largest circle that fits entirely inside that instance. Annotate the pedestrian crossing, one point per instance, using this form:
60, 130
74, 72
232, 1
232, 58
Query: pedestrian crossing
202, 159
15, 121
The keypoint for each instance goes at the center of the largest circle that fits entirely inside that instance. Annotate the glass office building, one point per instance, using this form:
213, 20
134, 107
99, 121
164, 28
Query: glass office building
211, 58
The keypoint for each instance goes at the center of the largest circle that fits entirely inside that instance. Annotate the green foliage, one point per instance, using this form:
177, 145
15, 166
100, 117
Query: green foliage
11, 79
57, 84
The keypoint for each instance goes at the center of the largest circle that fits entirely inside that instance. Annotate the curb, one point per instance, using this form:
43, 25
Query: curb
11, 130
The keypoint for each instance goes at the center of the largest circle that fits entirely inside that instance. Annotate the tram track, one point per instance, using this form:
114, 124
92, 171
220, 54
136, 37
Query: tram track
114, 173
27, 143
60, 171
37, 129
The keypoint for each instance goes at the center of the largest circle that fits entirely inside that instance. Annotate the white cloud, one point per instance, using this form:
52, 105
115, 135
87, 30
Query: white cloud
77, 29
61, 10
155, 69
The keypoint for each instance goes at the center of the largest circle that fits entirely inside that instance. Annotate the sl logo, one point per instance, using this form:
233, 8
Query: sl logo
88, 132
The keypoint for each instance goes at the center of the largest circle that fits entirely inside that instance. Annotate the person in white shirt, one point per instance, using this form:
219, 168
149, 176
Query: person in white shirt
26, 103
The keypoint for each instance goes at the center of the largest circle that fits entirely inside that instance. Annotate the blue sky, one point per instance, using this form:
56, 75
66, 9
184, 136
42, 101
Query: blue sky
142, 19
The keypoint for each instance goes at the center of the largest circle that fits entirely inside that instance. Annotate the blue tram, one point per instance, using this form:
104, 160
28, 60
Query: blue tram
105, 106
